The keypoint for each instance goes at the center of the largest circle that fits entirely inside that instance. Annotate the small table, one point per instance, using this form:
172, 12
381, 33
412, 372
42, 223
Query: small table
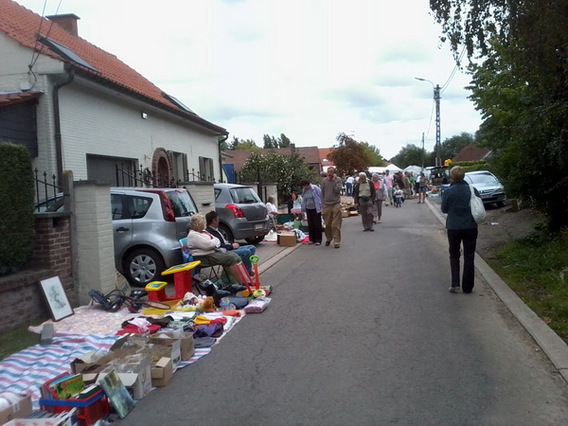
182, 282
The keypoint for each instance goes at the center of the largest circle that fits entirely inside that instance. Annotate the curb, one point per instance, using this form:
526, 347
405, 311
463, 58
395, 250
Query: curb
277, 258
551, 344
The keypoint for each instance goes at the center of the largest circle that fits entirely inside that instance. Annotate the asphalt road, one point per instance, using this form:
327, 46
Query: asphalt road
368, 335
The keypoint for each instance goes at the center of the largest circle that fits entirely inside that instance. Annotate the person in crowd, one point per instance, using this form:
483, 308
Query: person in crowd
398, 196
407, 186
270, 207
244, 252
331, 198
364, 196
295, 205
387, 179
377, 208
349, 185
311, 206
207, 248
461, 229
422, 188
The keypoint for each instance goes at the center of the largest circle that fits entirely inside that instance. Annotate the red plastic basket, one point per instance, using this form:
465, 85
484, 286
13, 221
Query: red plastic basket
89, 410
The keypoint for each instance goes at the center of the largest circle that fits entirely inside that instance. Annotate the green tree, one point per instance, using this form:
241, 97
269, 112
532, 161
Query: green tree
452, 146
285, 170
349, 156
520, 85
284, 141
247, 144
410, 155
373, 154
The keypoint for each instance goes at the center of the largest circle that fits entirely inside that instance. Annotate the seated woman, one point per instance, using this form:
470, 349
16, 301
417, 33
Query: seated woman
205, 247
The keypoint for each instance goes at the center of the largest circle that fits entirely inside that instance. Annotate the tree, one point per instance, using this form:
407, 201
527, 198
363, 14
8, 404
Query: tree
284, 141
452, 146
247, 144
521, 87
373, 154
270, 142
286, 170
349, 156
409, 155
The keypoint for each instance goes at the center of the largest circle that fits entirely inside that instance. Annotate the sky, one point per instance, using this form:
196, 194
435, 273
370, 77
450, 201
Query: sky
310, 69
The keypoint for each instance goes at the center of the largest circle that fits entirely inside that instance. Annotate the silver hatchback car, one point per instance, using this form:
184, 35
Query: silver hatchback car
147, 226
242, 214
489, 187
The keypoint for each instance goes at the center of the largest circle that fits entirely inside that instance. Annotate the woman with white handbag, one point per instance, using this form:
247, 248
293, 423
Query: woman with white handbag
461, 228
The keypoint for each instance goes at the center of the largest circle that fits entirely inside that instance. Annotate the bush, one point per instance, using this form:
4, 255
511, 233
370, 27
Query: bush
17, 200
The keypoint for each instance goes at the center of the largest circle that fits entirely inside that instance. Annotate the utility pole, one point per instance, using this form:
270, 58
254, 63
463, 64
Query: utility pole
438, 131
422, 151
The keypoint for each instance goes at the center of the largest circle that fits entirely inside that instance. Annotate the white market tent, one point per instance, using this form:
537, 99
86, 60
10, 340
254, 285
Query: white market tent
414, 169
393, 168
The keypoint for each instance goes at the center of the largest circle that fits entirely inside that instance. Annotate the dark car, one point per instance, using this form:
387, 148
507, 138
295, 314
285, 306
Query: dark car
242, 214
489, 187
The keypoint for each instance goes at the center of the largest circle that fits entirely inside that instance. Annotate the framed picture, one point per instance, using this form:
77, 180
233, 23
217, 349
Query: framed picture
56, 298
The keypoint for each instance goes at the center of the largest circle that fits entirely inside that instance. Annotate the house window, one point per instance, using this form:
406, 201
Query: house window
206, 169
178, 160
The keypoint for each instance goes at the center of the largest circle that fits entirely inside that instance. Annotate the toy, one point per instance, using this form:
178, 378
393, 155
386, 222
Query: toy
208, 305
254, 260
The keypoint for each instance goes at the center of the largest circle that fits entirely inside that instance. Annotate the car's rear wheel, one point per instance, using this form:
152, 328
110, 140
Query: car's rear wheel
255, 240
142, 266
227, 234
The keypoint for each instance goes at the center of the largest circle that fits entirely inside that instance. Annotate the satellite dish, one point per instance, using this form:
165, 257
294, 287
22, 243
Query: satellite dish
25, 86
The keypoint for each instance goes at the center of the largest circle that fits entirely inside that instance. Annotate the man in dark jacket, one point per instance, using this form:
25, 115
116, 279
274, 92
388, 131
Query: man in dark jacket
244, 252
461, 227
364, 197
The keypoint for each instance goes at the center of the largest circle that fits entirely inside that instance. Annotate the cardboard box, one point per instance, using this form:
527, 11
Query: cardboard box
88, 360
169, 348
286, 239
18, 405
162, 372
187, 347
127, 345
135, 371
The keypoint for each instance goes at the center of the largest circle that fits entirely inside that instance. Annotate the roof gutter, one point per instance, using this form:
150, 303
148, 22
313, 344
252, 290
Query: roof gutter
57, 119
222, 139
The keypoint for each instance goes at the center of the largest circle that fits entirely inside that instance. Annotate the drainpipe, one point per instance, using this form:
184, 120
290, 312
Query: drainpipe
220, 141
57, 119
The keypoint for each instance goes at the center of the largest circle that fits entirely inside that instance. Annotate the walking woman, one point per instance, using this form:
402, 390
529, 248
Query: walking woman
312, 205
461, 228
377, 208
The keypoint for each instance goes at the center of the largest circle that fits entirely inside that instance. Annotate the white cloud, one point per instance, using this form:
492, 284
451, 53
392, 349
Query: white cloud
308, 69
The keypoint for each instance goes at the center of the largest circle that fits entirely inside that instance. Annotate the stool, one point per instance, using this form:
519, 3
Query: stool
182, 278
156, 291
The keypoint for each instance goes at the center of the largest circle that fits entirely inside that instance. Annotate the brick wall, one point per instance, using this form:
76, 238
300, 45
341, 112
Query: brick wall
21, 297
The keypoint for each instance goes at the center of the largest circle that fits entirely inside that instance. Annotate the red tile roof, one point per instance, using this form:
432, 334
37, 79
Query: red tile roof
240, 156
471, 152
324, 157
22, 25
15, 98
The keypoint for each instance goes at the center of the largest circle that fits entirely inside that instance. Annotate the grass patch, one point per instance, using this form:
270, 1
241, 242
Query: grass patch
16, 340
536, 269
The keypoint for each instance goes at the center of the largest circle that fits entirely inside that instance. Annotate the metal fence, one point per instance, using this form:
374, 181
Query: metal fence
144, 178
48, 192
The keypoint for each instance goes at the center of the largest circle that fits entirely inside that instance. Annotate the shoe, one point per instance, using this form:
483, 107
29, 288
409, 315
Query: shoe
365, 230
327, 243
318, 244
311, 242
378, 221
454, 289
372, 230
336, 245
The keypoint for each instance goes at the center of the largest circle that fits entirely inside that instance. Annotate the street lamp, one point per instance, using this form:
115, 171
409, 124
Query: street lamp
438, 136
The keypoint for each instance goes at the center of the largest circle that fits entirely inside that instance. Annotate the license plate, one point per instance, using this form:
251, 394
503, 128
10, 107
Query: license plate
259, 226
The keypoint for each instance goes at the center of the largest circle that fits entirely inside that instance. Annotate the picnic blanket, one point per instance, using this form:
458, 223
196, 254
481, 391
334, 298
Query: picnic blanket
89, 329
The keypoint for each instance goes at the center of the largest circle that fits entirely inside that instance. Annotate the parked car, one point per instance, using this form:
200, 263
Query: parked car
489, 187
242, 214
147, 226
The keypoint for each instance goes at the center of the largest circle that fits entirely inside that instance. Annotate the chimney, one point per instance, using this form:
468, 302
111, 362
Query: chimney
66, 21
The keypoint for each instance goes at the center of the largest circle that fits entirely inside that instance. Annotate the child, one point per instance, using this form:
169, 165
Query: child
398, 195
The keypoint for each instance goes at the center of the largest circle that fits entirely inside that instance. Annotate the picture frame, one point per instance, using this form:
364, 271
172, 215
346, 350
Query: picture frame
56, 298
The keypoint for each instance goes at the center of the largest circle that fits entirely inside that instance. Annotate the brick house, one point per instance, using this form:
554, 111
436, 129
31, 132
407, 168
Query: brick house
77, 107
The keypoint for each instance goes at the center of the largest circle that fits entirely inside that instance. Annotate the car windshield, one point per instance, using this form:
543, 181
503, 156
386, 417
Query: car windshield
482, 179
244, 196
182, 204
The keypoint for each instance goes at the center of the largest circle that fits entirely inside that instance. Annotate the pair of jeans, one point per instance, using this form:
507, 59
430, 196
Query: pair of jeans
469, 239
332, 218
245, 252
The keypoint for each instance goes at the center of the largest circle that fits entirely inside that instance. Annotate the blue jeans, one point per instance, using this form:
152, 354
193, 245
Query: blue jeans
245, 252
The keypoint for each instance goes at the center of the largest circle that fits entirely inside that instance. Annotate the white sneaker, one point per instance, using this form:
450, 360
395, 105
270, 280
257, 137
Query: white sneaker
454, 289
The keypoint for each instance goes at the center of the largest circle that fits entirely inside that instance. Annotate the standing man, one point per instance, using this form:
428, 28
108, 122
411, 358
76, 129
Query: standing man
387, 179
331, 198
349, 185
364, 196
